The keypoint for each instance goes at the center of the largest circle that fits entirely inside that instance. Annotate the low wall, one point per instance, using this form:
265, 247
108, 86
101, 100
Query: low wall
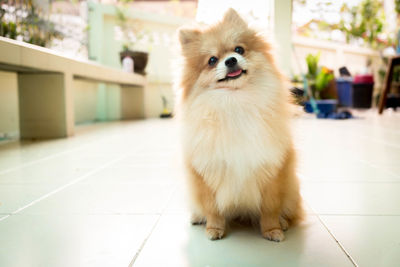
9, 119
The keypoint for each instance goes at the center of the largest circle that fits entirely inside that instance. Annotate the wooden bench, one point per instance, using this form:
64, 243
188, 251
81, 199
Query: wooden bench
45, 88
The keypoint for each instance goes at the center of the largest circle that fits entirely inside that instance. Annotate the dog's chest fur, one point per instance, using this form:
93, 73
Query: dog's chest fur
228, 142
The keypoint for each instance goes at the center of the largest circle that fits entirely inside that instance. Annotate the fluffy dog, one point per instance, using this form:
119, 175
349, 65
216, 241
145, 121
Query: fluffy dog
238, 149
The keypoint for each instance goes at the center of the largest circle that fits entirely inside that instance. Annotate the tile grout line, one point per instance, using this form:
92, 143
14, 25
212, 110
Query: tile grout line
356, 181
144, 242
366, 128
339, 182
337, 241
152, 229
333, 236
379, 141
52, 156
372, 165
44, 159
4, 215
64, 186
373, 140
376, 139
359, 215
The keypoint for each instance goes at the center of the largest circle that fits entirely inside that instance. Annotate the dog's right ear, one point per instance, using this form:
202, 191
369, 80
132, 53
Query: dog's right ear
187, 36
231, 16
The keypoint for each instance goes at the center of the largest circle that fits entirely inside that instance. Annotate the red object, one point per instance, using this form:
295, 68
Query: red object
364, 78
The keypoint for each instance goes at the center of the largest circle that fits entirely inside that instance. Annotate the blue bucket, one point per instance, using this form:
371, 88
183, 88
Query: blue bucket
324, 106
345, 92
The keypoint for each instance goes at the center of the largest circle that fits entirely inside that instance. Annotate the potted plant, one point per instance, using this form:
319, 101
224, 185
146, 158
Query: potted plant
319, 87
166, 113
25, 21
129, 34
365, 24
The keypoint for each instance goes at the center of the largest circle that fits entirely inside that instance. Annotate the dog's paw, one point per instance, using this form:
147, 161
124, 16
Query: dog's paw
284, 223
197, 219
274, 235
214, 233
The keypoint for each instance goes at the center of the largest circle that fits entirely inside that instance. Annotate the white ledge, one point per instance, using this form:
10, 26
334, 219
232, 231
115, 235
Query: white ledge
23, 56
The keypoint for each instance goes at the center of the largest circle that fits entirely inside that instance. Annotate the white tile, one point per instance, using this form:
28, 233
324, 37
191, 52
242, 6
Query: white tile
25, 185
16, 196
175, 242
17, 154
179, 201
353, 198
56, 170
393, 168
347, 167
136, 174
72, 240
348, 170
370, 240
106, 198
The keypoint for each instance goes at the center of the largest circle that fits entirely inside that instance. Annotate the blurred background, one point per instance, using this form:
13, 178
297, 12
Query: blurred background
313, 38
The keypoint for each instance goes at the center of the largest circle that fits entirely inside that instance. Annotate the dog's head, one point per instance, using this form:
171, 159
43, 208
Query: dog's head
228, 55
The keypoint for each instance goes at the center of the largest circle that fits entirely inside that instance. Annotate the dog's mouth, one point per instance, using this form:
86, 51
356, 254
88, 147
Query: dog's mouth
233, 75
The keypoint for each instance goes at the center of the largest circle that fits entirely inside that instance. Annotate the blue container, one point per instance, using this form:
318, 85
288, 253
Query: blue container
345, 92
324, 106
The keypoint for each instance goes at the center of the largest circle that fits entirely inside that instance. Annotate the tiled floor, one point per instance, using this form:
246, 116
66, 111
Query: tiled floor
113, 195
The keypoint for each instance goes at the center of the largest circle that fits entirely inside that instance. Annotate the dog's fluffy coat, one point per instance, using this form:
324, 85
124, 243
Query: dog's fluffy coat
237, 143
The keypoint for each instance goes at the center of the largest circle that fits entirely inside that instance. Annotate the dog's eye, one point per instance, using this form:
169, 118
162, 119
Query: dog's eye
239, 50
212, 61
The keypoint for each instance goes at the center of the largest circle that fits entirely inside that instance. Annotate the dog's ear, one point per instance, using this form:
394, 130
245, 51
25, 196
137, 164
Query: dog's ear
187, 36
234, 18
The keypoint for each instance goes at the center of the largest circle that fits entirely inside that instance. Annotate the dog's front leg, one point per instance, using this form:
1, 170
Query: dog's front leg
204, 200
215, 227
271, 228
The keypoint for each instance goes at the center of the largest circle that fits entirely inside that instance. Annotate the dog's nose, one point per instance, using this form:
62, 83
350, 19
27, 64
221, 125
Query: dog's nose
230, 62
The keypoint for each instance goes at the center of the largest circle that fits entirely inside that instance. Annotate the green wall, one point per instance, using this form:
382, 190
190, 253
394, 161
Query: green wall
103, 48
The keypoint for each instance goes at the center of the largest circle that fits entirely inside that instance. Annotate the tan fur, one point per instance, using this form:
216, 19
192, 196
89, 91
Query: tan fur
236, 135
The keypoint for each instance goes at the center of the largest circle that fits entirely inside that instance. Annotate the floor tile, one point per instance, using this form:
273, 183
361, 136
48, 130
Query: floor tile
15, 154
23, 186
136, 174
72, 240
133, 173
349, 170
393, 168
106, 198
353, 198
56, 170
16, 196
370, 240
175, 242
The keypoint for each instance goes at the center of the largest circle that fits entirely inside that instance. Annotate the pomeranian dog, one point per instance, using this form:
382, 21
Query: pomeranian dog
235, 112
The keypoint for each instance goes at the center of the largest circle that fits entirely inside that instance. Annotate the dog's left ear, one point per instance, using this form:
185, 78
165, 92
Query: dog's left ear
234, 18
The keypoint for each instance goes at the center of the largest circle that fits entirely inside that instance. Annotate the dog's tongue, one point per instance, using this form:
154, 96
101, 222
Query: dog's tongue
235, 73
